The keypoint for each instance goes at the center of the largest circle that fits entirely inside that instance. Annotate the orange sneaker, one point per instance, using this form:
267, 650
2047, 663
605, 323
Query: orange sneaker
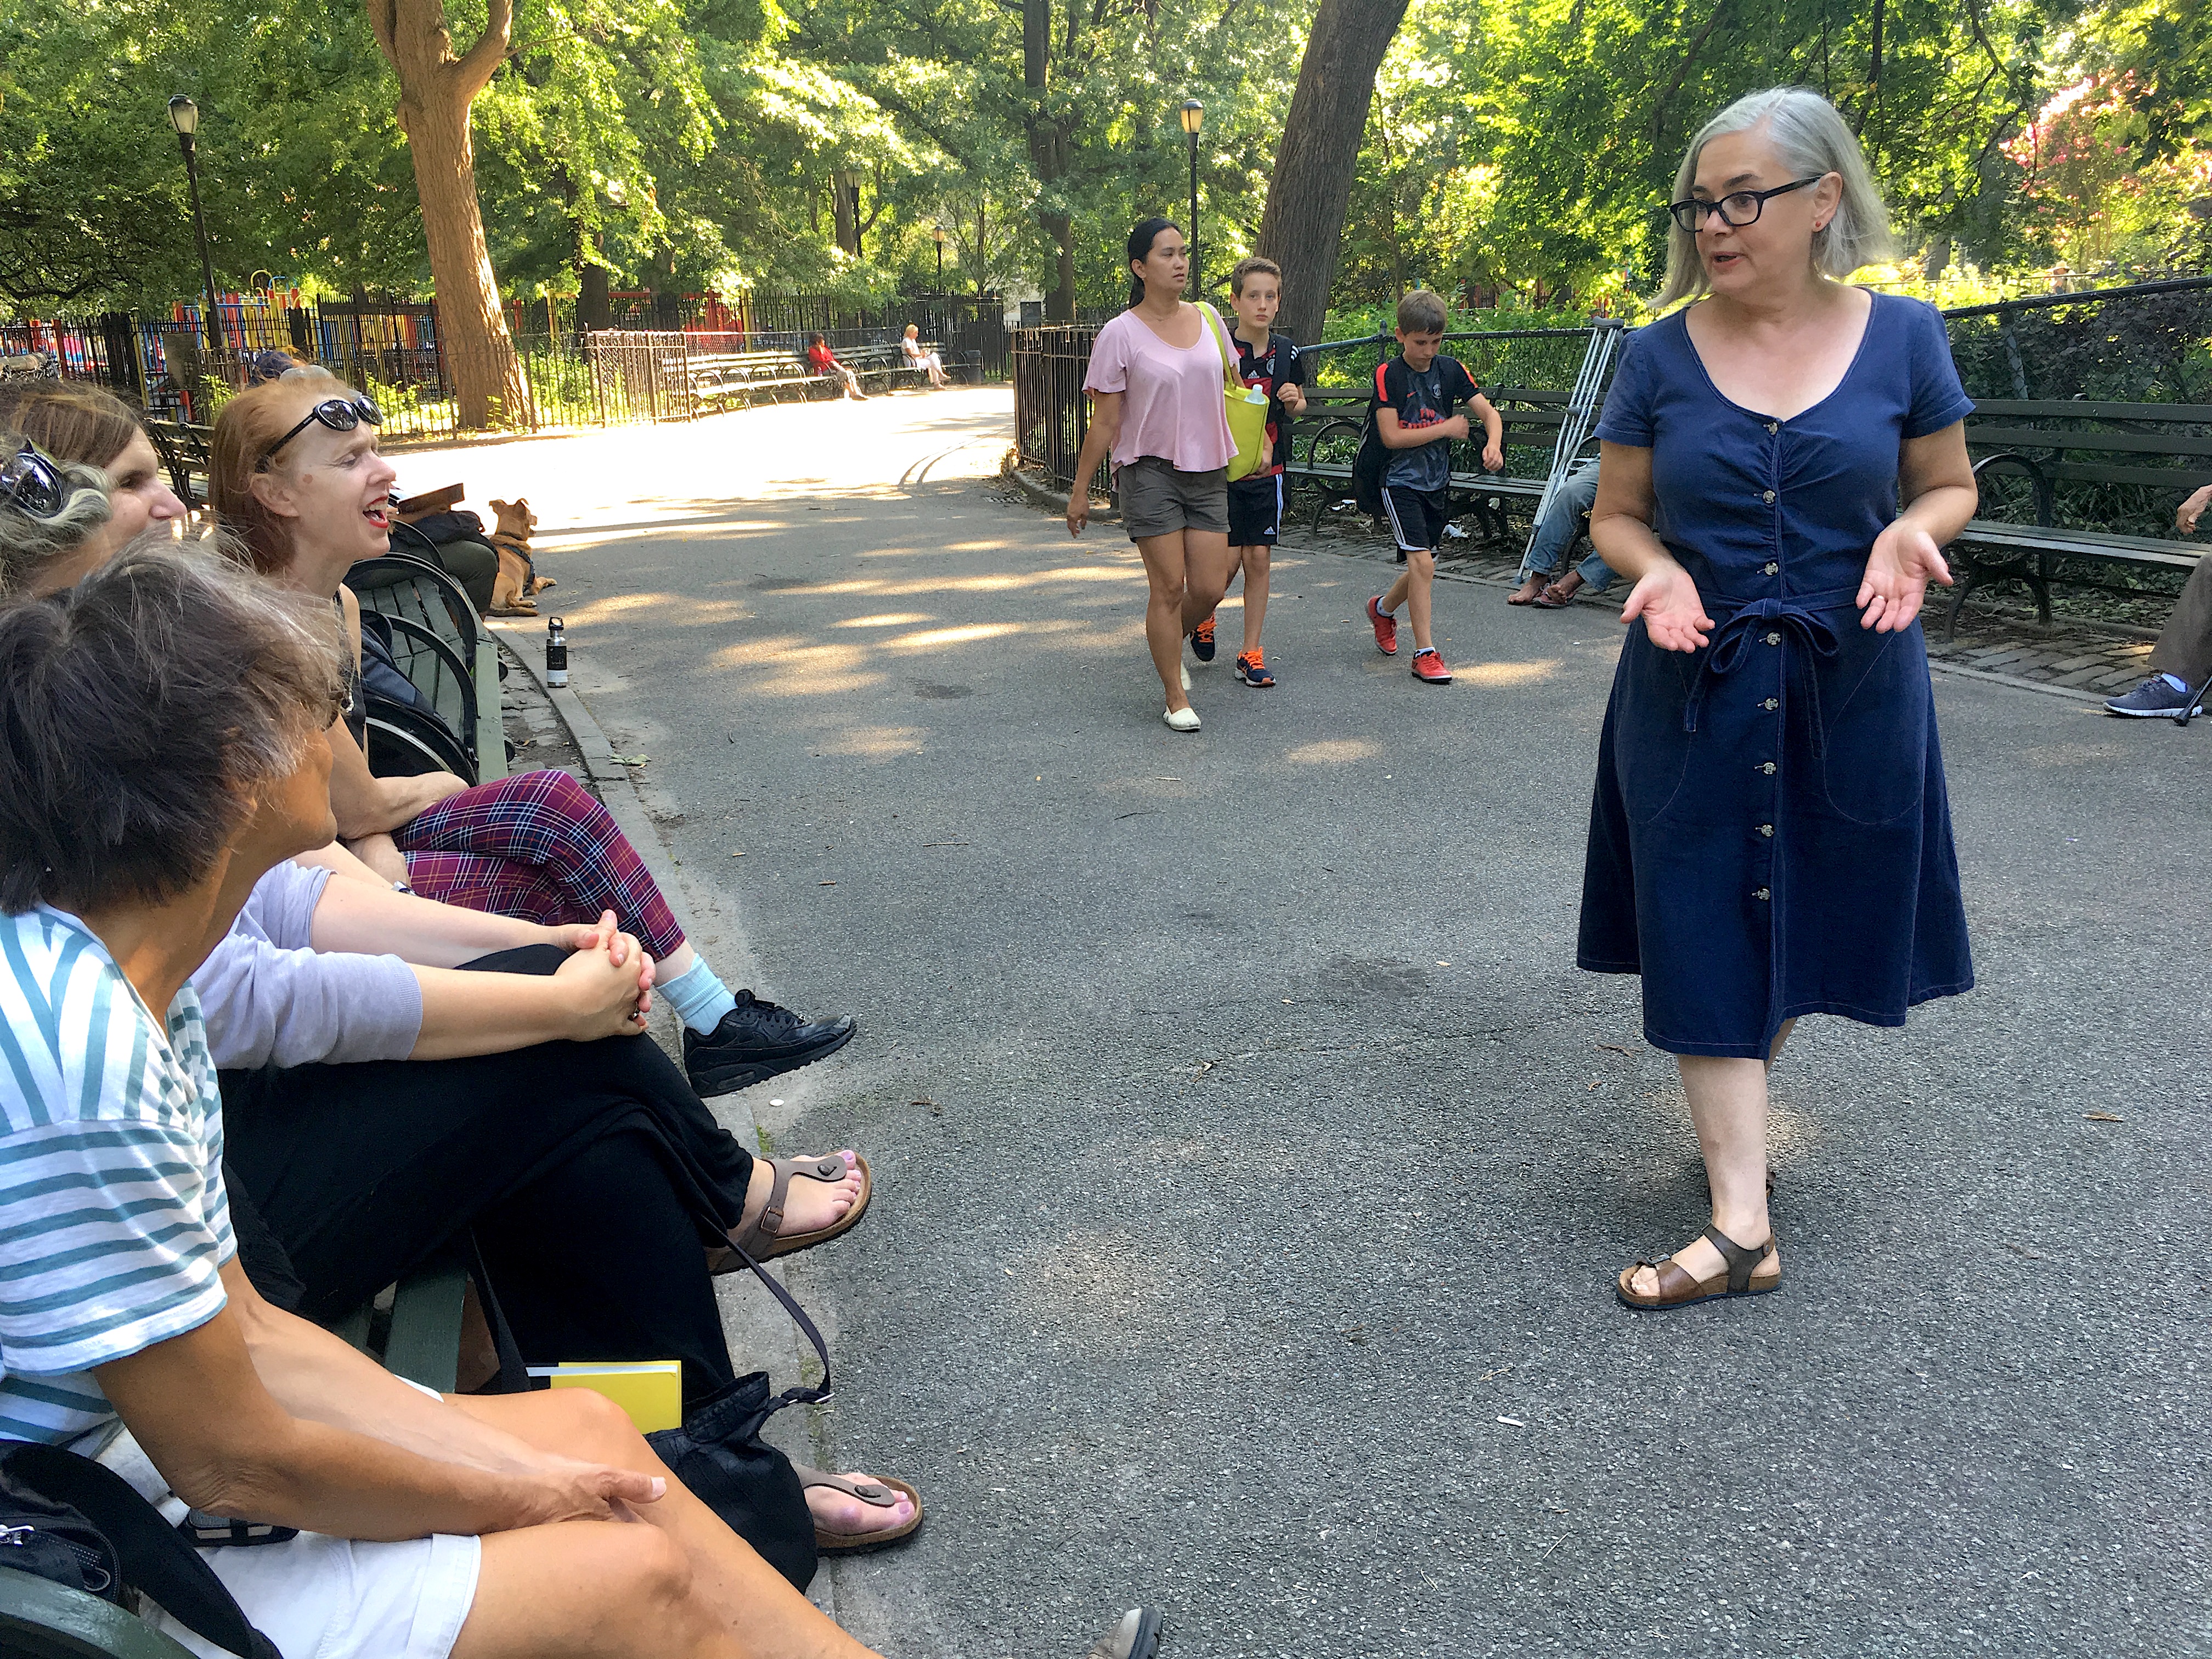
1201, 640
1385, 625
1429, 668
1252, 669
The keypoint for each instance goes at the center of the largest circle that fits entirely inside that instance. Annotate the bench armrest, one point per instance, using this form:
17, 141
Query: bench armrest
2045, 500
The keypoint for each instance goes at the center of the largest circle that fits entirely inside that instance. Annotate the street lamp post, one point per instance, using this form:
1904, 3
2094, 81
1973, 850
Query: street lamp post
184, 117
1194, 113
937, 231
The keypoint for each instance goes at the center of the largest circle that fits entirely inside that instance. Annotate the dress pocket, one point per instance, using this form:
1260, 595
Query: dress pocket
1874, 711
1652, 751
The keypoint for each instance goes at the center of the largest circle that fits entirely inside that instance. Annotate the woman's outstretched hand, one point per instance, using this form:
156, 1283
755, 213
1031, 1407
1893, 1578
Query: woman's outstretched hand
1667, 599
1904, 560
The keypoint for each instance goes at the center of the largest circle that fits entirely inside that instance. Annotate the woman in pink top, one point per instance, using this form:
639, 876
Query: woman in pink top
1155, 379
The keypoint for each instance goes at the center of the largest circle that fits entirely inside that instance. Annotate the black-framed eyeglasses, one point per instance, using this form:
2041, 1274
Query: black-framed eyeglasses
339, 414
1738, 208
32, 484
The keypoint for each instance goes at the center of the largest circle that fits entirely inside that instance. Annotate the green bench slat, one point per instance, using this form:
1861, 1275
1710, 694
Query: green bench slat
2081, 543
2117, 443
2059, 409
41, 1619
425, 1343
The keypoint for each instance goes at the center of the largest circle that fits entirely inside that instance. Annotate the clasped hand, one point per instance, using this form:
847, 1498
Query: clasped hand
610, 975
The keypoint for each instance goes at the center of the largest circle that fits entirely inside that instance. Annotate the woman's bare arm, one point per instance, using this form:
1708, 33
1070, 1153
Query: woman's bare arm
1097, 444
369, 1463
1664, 596
1935, 485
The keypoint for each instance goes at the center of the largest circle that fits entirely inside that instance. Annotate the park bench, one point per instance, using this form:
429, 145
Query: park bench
1532, 417
717, 378
2028, 447
184, 450
414, 1328
442, 647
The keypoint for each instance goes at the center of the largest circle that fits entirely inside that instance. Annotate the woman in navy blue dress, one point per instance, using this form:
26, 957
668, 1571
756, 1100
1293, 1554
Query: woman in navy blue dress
1781, 465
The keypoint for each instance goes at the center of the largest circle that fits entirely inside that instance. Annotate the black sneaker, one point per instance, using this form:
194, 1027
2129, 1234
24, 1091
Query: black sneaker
2154, 699
756, 1040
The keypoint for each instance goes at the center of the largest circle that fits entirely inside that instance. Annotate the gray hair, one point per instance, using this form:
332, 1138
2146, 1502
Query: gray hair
26, 543
140, 712
1812, 139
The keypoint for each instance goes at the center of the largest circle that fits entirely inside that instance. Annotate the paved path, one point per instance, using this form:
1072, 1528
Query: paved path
1254, 1162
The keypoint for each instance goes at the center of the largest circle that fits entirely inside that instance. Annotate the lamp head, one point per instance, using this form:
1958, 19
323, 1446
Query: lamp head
1194, 113
184, 115
937, 231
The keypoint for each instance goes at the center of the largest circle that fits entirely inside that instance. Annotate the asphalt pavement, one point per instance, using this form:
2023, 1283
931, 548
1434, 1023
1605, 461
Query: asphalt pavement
1253, 1163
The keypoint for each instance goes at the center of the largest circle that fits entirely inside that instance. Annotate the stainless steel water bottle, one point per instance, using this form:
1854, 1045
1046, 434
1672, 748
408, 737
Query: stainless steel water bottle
556, 654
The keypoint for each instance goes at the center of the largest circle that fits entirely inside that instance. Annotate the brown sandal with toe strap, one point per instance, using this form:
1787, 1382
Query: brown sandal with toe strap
1746, 1270
882, 1494
765, 1239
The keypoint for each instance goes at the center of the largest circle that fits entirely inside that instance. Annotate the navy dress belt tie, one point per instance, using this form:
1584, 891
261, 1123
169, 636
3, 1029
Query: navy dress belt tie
1800, 619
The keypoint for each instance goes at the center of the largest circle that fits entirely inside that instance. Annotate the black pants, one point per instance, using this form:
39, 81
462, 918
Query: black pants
592, 1175
474, 565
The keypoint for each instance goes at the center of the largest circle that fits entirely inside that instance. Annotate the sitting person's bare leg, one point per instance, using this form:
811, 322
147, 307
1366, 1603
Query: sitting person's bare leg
715, 1599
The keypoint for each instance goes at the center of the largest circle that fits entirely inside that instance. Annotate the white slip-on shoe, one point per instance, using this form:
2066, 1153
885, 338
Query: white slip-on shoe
1181, 719
1183, 668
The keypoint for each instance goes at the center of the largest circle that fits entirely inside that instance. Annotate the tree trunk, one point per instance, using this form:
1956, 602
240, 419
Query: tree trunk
845, 200
1304, 226
1048, 143
436, 90
595, 307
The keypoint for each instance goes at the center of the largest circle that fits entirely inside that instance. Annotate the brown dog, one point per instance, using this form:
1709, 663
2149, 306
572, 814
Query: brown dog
518, 577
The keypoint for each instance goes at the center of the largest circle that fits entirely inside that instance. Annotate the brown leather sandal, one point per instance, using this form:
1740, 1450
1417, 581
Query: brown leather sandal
765, 1239
1745, 1270
883, 1492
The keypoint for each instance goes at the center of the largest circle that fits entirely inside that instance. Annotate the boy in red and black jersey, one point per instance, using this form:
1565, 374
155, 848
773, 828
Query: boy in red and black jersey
1270, 362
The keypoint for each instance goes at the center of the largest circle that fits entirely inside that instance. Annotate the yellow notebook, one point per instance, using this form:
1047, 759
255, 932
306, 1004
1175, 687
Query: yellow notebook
650, 1390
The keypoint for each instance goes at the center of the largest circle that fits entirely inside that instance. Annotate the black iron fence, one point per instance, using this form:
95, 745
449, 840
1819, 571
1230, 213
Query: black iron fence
2145, 344
549, 377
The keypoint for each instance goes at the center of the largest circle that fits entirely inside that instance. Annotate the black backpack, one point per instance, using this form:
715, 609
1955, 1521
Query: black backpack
1368, 464
79, 1524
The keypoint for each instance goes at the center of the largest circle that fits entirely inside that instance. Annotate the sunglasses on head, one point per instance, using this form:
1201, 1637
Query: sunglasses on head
32, 484
339, 414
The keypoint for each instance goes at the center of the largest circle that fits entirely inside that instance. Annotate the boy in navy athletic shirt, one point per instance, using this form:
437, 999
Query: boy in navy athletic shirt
1414, 395
1270, 362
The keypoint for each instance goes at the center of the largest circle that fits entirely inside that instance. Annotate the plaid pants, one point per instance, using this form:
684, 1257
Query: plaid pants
539, 847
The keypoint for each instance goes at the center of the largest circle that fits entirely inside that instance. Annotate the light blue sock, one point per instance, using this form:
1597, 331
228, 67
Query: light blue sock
2175, 684
699, 999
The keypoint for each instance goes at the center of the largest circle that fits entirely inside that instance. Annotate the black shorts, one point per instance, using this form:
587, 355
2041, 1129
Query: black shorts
1256, 511
1417, 518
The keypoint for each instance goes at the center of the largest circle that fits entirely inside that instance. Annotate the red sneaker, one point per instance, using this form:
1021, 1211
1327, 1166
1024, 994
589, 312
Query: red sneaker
1386, 627
1429, 668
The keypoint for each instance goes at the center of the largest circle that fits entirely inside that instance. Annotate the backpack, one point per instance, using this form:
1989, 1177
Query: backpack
1368, 464
77, 1523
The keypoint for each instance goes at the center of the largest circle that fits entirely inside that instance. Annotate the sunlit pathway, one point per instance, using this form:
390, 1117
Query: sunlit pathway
1253, 1163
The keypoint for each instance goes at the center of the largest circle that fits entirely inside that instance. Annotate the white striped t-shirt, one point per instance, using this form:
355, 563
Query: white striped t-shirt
112, 1219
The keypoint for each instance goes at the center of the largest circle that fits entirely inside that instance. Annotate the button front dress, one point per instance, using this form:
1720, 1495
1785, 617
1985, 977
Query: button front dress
1771, 835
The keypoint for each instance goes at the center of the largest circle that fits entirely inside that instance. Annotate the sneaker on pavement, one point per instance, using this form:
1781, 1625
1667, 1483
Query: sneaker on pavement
1429, 668
1385, 625
1252, 669
1201, 640
756, 1040
2155, 698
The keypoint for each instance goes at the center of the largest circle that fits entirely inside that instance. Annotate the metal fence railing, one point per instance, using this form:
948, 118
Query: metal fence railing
547, 378
1051, 414
2140, 345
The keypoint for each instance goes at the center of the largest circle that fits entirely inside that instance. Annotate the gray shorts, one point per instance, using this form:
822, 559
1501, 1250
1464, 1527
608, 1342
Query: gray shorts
1158, 501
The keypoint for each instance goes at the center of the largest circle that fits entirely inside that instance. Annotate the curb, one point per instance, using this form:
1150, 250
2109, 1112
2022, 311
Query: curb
1055, 499
755, 1326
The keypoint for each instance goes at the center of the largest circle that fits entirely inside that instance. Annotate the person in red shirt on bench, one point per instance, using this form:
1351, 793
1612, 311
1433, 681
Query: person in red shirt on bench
823, 361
